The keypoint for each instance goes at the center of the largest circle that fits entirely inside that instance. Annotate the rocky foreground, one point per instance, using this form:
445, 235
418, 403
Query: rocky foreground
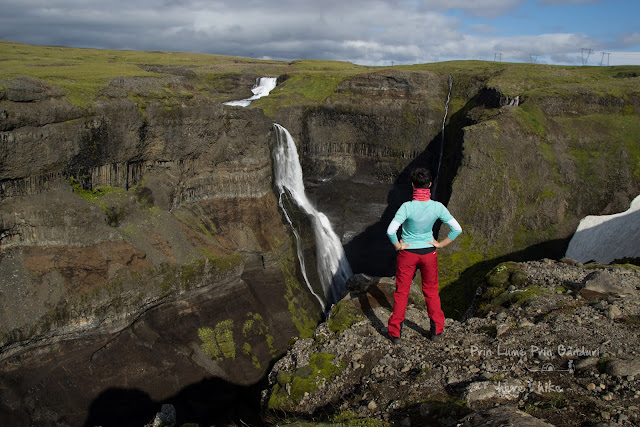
550, 343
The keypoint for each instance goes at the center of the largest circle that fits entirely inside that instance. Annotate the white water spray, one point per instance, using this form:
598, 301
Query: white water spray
444, 121
333, 267
263, 86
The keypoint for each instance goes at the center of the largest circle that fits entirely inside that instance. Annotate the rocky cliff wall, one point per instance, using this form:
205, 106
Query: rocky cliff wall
150, 211
520, 165
157, 197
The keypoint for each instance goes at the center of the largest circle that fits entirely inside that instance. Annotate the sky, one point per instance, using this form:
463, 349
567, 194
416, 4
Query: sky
371, 32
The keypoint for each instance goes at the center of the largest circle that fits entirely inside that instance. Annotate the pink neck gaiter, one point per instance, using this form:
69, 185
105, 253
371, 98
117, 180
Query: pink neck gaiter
421, 194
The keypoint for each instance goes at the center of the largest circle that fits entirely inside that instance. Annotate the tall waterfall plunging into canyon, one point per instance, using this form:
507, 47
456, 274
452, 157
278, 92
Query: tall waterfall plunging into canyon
333, 267
444, 122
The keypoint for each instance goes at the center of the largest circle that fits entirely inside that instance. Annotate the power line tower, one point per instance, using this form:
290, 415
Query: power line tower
602, 60
497, 56
588, 52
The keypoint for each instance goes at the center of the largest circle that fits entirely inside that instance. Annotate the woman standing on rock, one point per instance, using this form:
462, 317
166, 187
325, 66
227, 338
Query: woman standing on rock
417, 218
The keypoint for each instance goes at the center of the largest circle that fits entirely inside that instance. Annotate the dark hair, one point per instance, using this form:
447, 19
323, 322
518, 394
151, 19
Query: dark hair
421, 177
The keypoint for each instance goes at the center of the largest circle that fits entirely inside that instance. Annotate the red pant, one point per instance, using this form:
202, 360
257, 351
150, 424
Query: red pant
405, 269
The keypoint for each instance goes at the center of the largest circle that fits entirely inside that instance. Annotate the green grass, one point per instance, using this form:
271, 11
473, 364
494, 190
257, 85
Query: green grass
95, 194
539, 80
82, 73
532, 119
111, 200
305, 89
456, 291
620, 134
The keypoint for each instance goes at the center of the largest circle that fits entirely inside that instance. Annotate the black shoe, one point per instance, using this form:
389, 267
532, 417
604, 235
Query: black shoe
396, 340
435, 337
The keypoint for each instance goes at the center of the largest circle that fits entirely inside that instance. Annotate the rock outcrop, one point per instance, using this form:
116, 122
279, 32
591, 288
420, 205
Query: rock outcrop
559, 360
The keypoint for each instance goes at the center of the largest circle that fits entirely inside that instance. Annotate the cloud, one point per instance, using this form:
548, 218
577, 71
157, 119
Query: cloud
629, 39
372, 32
483, 29
477, 7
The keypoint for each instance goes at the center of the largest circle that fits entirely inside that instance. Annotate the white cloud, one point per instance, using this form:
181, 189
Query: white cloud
483, 29
629, 39
372, 32
474, 7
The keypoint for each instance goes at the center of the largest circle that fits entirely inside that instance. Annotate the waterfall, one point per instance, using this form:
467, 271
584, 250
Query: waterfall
444, 121
263, 86
333, 267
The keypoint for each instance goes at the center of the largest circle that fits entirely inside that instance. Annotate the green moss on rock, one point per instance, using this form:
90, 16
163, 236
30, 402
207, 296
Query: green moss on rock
112, 201
343, 315
218, 343
519, 296
291, 387
300, 316
255, 326
501, 277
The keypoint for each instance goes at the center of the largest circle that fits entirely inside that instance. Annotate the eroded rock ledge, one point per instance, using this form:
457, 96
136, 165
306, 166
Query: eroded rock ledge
551, 343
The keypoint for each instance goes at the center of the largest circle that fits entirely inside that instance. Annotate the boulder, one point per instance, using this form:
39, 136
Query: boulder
481, 391
603, 282
502, 416
166, 417
623, 368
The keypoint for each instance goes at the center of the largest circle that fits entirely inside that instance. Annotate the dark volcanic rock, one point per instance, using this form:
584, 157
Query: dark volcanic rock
141, 246
502, 416
571, 365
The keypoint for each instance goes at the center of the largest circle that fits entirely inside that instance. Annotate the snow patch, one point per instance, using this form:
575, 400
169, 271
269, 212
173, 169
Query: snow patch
604, 238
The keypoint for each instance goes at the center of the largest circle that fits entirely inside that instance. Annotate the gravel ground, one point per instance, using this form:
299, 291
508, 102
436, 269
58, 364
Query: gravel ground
567, 354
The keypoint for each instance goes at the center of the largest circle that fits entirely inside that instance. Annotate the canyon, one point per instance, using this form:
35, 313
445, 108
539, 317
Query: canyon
143, 254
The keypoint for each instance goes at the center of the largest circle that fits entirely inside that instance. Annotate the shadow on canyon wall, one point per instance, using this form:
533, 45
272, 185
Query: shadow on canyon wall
370, 251
462, 291
212, 401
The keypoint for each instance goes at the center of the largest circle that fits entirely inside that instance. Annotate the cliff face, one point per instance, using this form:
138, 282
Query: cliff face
148, 220
522, 161
360, 142
142, 230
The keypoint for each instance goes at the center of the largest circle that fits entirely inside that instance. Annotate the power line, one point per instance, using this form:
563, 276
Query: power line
497, 56
588, 51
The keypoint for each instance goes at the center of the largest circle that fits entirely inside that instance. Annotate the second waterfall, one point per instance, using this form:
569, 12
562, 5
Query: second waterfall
333, 267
